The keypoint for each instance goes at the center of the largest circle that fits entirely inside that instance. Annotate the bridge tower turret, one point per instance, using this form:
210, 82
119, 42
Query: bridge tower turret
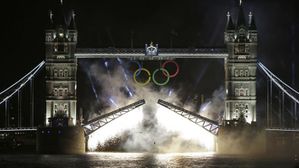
240, 69
61, 69
61, 133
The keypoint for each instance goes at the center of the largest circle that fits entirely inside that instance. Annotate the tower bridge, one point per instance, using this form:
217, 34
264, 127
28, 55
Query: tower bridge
63, 123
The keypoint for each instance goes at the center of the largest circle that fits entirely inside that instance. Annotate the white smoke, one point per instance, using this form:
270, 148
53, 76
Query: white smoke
149, 135
213, 108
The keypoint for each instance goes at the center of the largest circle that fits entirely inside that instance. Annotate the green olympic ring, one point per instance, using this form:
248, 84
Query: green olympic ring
153, 77
139, 71
164, 72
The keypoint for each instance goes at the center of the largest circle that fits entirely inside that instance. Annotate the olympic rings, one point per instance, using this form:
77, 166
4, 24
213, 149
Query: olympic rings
139, 71
138, 64
162, 68
177, 68
164, 71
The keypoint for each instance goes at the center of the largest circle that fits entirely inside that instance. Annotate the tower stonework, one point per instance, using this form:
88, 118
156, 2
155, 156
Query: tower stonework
240, 69
61, 133
61, 69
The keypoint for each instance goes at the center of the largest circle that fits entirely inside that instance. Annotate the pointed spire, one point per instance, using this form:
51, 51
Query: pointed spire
252, 25
73, 23
241, 18
229, 25
60, 17
50, 23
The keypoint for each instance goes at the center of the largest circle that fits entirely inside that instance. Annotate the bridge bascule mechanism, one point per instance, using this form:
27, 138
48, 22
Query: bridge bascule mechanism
205, 123
100, 121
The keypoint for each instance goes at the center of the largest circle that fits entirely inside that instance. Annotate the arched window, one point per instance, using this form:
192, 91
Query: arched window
242, 48
242, 92
66, 73
246, 73
55, 73
55, 108
55, 91
55, 47
65, 108
237, 92
241, 73
60, 92
60, 73
65, 91
236, 72
66, 47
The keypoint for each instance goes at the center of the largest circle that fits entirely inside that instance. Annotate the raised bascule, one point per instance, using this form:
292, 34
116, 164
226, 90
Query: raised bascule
64, 132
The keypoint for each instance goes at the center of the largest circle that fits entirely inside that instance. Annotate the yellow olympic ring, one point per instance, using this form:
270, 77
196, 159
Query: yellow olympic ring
147, 81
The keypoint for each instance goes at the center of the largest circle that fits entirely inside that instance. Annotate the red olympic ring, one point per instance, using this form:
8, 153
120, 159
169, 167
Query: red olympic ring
177, 68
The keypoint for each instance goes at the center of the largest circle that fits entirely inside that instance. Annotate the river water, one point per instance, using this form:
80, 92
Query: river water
143, 160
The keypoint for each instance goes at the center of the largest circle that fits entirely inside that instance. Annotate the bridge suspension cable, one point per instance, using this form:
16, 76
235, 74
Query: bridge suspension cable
276, 81
265, 68
21, 82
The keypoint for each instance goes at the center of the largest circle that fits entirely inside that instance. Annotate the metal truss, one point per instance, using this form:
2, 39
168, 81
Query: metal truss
207, 124
98, 122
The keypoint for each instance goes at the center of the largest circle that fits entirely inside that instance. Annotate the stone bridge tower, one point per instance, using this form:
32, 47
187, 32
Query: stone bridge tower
61, 69
61, 135
240, 69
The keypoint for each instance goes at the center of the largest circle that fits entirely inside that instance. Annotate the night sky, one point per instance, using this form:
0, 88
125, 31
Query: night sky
111, 23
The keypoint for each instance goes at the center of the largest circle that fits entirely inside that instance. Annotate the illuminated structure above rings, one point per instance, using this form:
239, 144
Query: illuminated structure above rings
164, 53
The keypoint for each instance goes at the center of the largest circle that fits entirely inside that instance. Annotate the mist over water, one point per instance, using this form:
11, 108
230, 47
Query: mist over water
150, 128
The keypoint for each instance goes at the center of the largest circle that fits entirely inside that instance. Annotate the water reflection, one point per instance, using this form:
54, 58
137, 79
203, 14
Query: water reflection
142, 160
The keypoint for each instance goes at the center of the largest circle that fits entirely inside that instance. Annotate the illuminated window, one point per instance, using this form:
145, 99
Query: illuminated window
55, 91
60, 92
55, 73
60, 73
242, 92
55, 48
246, 73
236, 50
242, 48
236, 92
236, 72
66, 47
55, 108
65, 91
241, 72
246, 106
66, 73
65, 108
